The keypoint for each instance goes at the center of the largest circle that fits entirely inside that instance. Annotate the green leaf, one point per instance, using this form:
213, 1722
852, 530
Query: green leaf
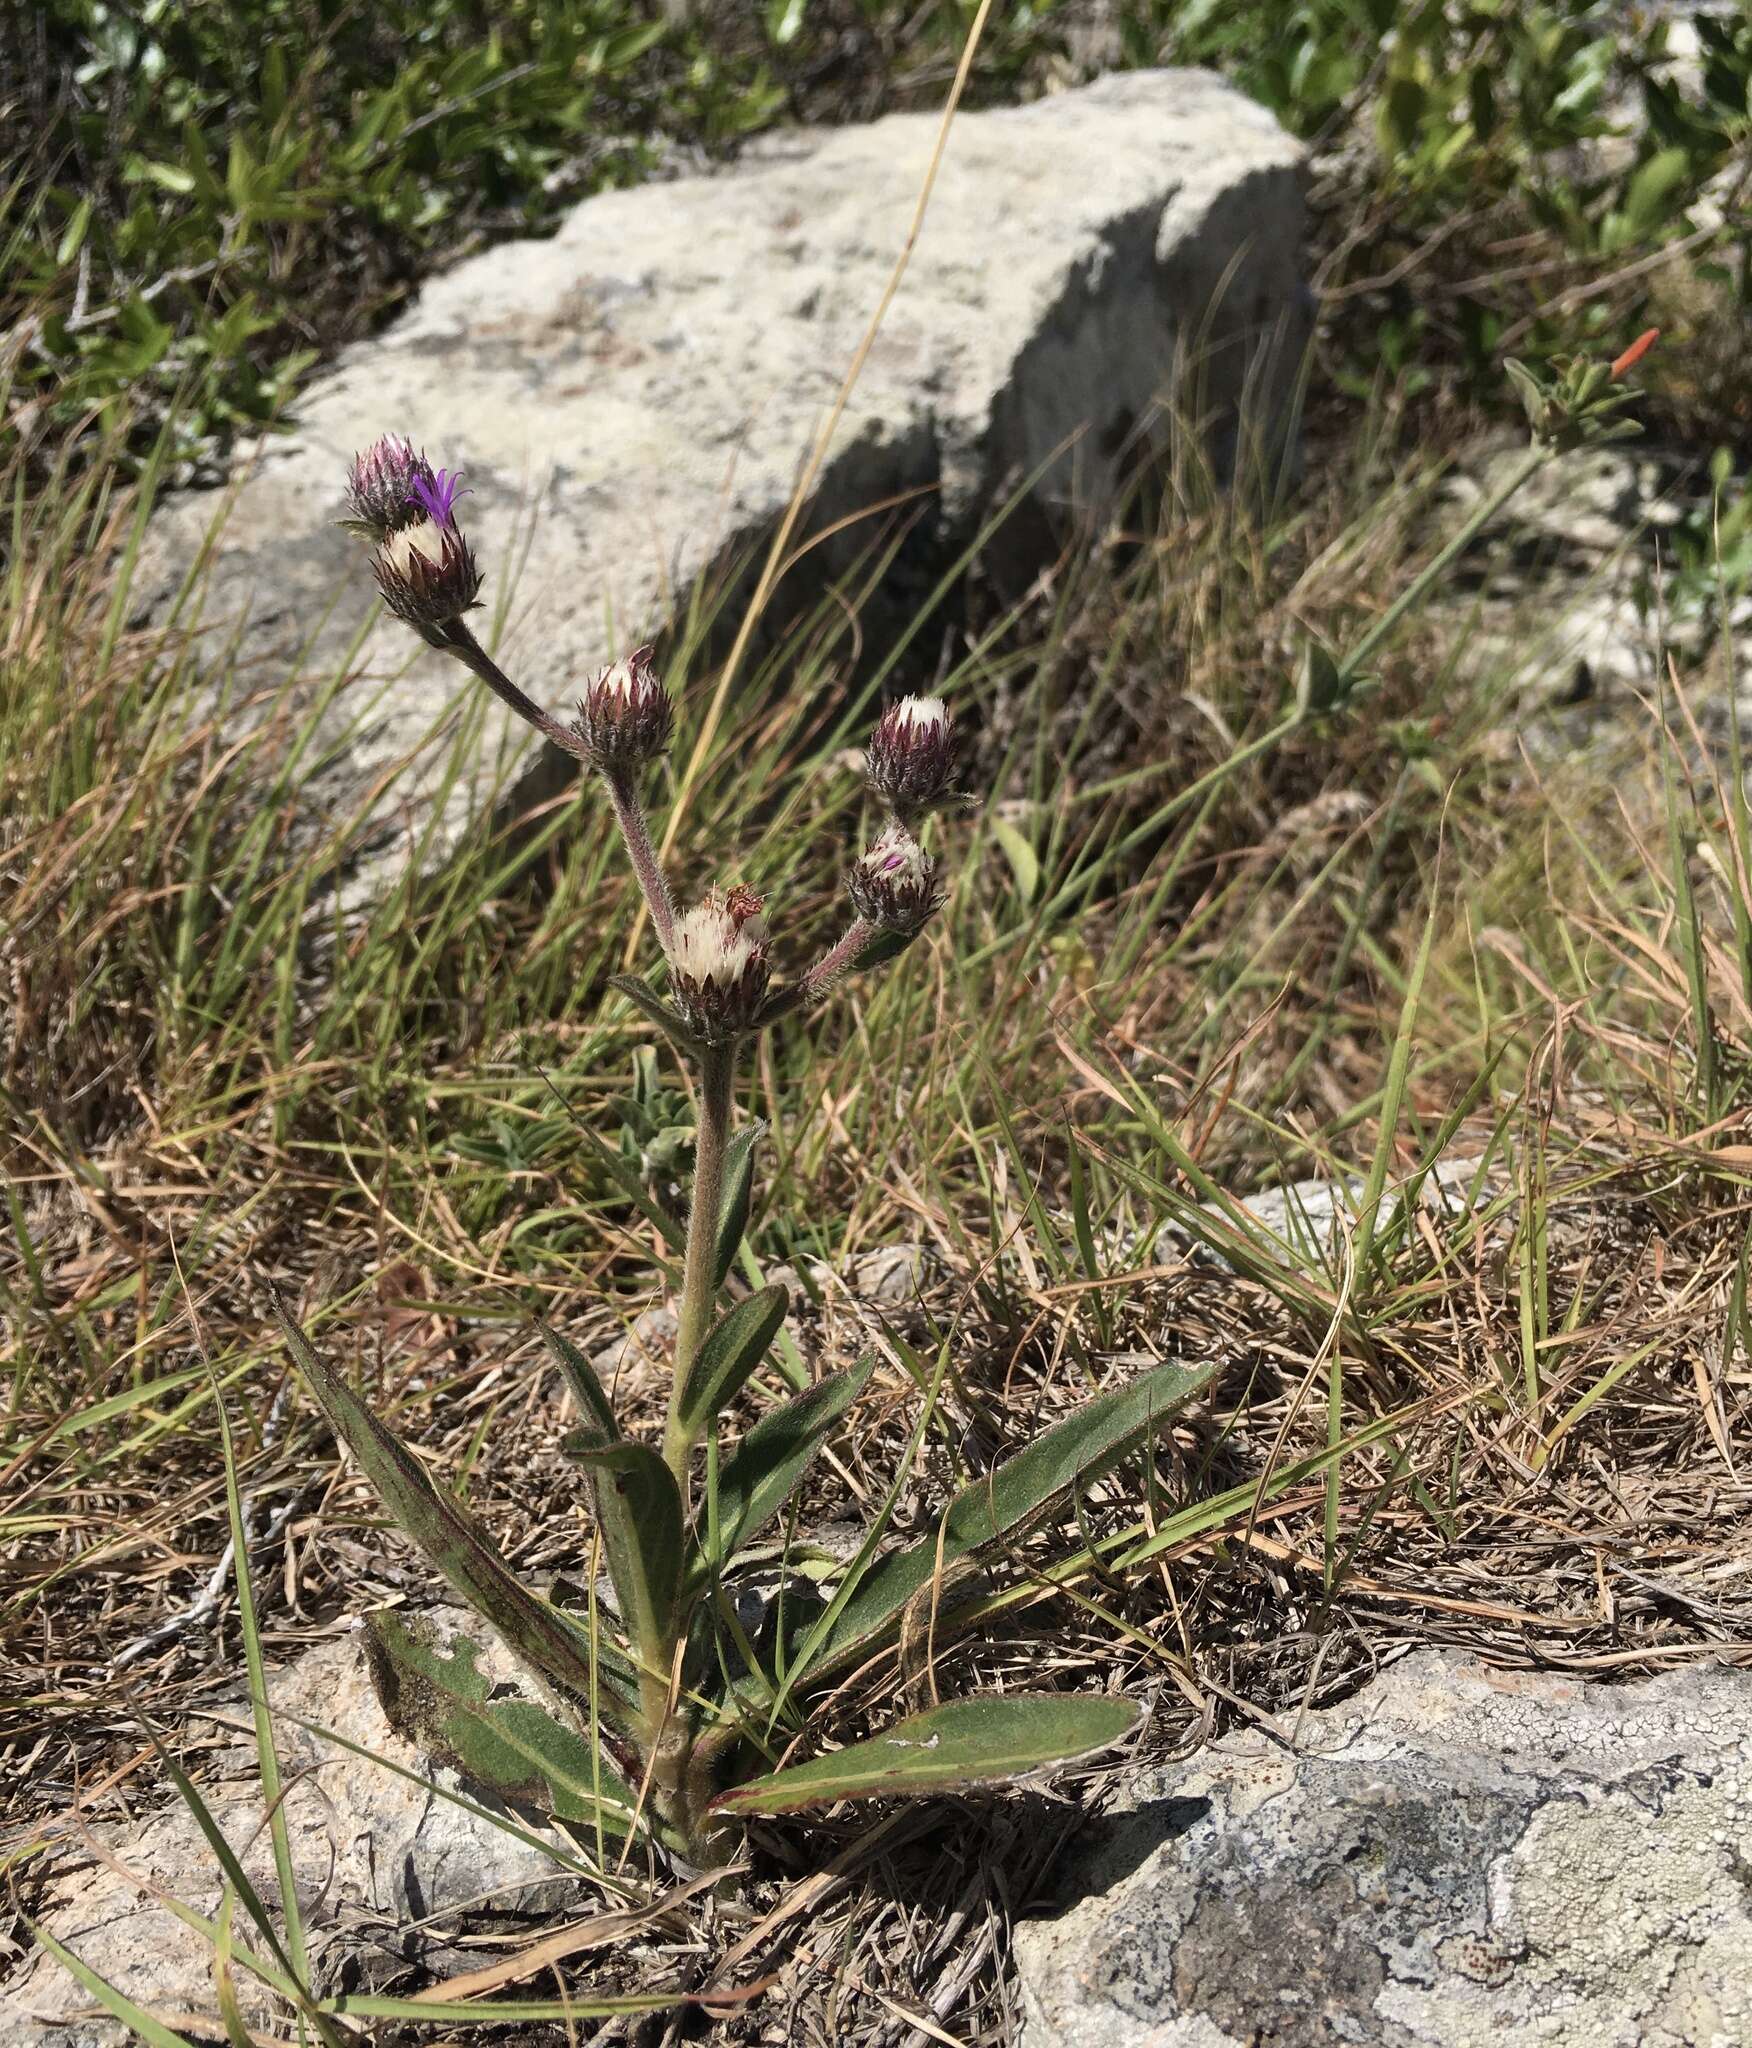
638, 1508
757, 1478
640, 993
727, 1357
1075, 1451
952, 1748
74, 233
446, 1534
1020, 853
587, 1388
1647, 197
733, 1211
438, 1700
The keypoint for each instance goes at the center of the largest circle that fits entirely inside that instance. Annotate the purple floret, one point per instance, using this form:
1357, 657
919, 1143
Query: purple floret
438, 495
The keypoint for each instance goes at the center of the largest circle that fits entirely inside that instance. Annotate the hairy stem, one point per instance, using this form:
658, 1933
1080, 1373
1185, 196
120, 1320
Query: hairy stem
630, 816
698, 1283
457, 639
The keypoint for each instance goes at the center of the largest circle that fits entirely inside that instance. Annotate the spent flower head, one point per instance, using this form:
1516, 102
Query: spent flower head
625, 716
895, 885
718, 965
427, 571
911, 755
382, 488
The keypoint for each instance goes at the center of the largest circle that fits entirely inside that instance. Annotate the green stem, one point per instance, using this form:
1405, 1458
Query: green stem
699, 1290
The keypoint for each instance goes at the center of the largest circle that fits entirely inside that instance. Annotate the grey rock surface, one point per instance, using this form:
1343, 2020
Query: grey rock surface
1576, 596
373, 1853
633, 400
1458, 1857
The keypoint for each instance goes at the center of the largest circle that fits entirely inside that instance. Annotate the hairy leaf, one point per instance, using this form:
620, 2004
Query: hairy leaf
448, 1536
640, 992
759, 1475
727, 1357
1077, 1450
951, 1748
738, 1188
587, 1388
638, 1508
439, 1701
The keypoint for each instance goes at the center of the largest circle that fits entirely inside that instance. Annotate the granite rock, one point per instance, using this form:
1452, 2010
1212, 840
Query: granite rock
1458, 1857
632, 401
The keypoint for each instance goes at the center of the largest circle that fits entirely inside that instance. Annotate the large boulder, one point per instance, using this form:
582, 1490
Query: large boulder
1458, 1857
634, 399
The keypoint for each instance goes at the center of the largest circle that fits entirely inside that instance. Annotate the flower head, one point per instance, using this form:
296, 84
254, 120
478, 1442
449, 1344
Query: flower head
895, 885
384, 488
911, 755
427, 573
624, 717
718, 972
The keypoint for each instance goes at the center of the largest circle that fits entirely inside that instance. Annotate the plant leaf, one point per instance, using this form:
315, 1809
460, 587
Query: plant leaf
758, 1476
446, 1534
1077, 1450
738, 1187
952, 1748
643, 996
727, 1357
638, 1507
587, 1387
438, 1700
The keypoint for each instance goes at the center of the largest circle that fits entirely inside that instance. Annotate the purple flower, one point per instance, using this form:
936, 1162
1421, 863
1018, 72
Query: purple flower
383, 487
437, 492
895, 886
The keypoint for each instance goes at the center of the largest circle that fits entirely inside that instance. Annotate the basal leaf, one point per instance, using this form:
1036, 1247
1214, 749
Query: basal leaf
587, 1388
638, 1508
727, 1357
952, 1748
738, 1188
440, 1702
757, 1478
448, 1536
1079, 1449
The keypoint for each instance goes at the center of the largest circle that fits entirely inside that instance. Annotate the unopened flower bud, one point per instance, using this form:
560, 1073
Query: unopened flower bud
427, 572
895, 885
911, 755
625, 716
380, 488
718, 973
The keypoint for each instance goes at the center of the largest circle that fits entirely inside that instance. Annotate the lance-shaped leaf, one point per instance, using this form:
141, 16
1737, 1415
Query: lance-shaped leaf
757, 1478
448, 1536
439, 1701
640, 992
587, 1389
732, 1351
733, 1210
638, 1507
952, 1748
1087, 1443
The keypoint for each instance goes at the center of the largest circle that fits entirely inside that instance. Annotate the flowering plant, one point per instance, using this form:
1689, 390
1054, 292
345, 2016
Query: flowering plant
672, 1723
